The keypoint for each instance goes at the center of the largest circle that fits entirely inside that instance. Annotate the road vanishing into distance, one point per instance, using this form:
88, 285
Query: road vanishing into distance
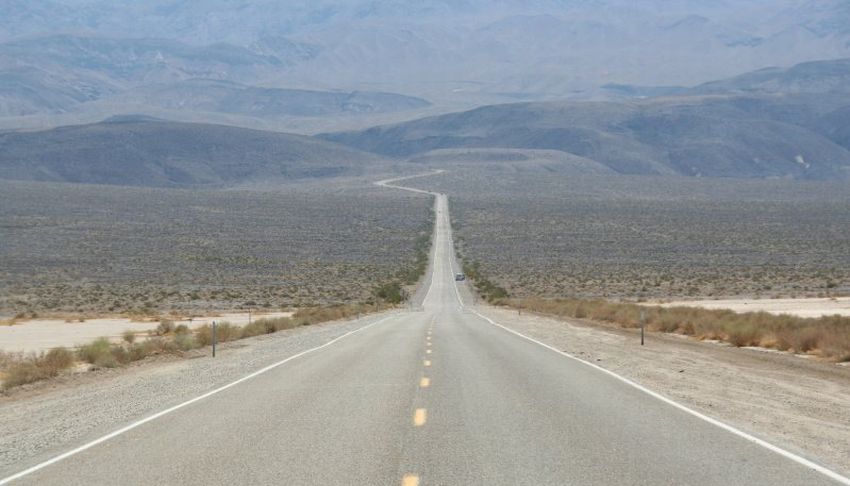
435, 395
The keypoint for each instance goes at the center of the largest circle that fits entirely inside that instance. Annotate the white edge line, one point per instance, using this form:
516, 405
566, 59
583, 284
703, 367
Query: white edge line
157, 415
767, 445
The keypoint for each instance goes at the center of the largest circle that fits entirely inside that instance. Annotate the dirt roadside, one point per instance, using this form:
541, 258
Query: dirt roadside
799, 404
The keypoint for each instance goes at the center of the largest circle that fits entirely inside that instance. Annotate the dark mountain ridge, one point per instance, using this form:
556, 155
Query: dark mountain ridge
137, 151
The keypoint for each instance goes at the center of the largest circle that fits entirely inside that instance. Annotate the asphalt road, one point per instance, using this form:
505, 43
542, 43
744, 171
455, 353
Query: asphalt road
434, 396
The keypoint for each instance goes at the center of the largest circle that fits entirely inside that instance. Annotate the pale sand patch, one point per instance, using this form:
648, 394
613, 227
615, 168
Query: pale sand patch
794, 307
802, 405
43, 334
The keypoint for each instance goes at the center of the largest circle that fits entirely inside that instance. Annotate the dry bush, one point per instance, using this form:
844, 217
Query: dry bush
128, 336
314, 315
97, 352
165, 327
224, 331
267, 326
36, 367
185, 342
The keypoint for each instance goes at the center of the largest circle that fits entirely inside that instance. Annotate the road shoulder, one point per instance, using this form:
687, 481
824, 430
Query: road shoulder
798, 404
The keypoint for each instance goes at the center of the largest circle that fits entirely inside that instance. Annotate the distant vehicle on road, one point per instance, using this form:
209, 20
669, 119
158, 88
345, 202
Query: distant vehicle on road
460, 277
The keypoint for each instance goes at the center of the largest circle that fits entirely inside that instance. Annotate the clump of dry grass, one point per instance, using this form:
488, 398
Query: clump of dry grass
129, 336
267, 326
166, 326
315, 315
827, 337
34, 368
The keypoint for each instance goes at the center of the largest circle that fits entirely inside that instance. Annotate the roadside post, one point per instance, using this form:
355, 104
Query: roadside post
213, 338
642, 325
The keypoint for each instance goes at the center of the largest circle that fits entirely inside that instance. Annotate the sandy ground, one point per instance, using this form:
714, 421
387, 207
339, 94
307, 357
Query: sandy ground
795, 307
43, 334
802, 405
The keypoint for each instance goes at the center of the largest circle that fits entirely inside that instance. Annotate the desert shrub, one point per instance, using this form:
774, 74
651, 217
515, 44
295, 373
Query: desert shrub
58, 359
315, 315
23, 373
120, 355
391, 293
165, 327
226, 331
23, 370
253, 329
203, 335
185, 342
181, 329
129, 336
743, 334
138, 351
97, 350
277, 324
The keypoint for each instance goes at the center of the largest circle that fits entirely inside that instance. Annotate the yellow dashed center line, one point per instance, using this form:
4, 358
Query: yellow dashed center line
427, 362
420, 417
427, 351
410, 480
424, 382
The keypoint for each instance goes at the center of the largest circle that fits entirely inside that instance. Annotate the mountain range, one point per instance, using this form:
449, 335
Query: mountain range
775, 122
792, 123
59, 56
138, 151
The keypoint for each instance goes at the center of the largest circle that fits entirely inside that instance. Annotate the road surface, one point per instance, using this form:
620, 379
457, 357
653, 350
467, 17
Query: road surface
435, 396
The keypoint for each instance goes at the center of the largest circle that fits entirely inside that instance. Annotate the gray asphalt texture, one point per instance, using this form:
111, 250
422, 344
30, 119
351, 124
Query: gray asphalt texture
499, 410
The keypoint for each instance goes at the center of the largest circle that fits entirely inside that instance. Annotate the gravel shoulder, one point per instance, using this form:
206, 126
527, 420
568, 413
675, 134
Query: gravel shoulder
40, 421
799, 404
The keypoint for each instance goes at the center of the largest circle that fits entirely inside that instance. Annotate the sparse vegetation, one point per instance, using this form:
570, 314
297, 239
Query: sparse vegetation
581, 247
483, 285
20, 370
827, 337
129, 336
422, 247
643, 238
98, 353
165, 327
391, 293
160, 250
